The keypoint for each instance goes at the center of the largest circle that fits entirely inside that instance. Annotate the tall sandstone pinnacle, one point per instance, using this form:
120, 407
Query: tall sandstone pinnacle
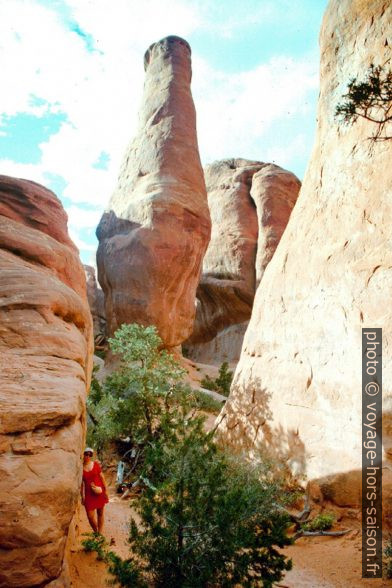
154, 233
297, 387
250, 203
45, 367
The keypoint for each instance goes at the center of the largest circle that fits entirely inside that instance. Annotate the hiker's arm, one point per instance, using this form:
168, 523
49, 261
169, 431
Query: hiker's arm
82, 491
103, 482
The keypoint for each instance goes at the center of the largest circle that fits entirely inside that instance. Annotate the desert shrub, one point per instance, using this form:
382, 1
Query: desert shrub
206, 403
370, 99
222, 383
205, 518
321, 522
125, 571
95, 542
132, 398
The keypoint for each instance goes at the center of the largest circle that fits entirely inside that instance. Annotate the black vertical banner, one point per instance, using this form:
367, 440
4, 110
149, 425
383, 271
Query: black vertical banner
371, 453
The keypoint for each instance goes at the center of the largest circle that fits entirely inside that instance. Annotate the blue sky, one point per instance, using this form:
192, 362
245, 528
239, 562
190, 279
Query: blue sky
72, 73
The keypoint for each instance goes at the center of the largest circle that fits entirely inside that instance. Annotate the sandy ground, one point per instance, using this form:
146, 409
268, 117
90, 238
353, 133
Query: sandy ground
319, 562
84, 569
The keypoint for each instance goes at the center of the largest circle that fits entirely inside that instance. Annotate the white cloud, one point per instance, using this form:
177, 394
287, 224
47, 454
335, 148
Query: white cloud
80, 244
283, 154
26, 171
100, 90
235, 111
82, 218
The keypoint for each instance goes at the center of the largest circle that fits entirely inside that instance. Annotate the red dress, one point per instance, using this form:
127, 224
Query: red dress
92, 500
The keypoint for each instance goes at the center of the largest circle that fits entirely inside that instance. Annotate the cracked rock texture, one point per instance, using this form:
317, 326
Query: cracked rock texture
96, 300
45, 366
250, 203
154, 233
297, 387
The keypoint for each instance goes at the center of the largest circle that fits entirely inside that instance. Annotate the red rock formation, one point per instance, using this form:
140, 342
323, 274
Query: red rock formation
96, 301
297, 388
250, 203
155, 231
45, 365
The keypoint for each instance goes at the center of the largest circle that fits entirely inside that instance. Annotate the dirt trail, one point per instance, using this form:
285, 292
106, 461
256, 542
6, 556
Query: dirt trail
320, 562
85, 571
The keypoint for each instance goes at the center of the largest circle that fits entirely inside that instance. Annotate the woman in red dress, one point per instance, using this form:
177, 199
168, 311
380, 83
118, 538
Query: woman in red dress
93, 490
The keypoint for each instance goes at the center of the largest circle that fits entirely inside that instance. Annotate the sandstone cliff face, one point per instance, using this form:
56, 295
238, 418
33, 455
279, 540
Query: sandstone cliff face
225, 346
297, 388
45, 365
250, 203
96, 301
155, 231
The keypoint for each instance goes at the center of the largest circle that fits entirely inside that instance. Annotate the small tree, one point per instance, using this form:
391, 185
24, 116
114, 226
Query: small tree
370, 99
207, 519
222, 383
132, 398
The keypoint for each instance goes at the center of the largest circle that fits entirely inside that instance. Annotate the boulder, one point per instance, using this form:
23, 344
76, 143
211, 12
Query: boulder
154, 233
45, 367
250, 203
297, 388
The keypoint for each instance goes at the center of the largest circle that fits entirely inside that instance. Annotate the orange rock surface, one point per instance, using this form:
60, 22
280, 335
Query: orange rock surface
45, 366
156, 228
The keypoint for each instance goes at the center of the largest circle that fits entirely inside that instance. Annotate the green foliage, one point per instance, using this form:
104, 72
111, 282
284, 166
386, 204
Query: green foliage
222, 383
205, 518
126, 572
321, 522
96, 391
100, 353
206, 403
95, 542
388, 558
370, 99
131, 400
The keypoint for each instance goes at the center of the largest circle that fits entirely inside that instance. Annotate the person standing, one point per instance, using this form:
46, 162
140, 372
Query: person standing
93, 491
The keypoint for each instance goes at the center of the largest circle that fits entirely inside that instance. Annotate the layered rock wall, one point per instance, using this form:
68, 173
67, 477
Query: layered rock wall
155, 231
297, 387
45, 366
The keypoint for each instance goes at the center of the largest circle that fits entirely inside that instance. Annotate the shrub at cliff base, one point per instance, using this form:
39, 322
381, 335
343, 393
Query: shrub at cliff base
205, 518
222, 383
